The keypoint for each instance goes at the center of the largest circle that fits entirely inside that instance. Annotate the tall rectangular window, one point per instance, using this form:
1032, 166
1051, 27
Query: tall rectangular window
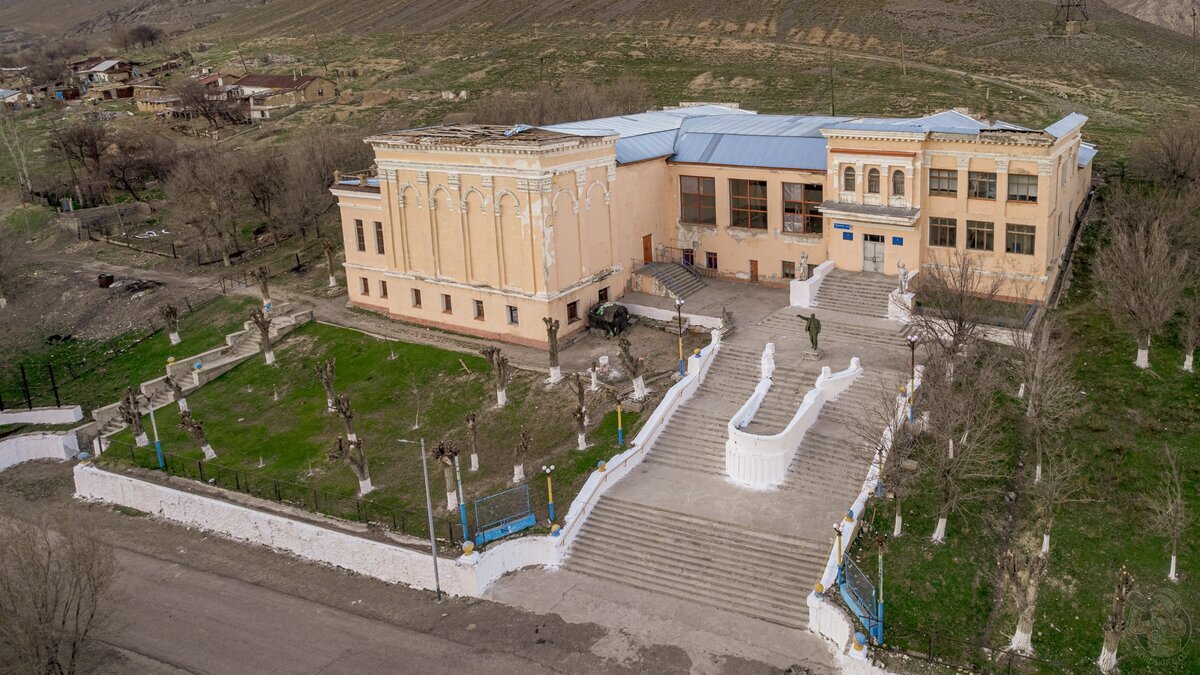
416, 293
359, 238
748, 203
801, 208
1018, 239
789, 270
981, 185
479, 310
943, 182
364, 285
981, 236
1022, 188
572, 311
379, 238
383, 289
710, 260
698, 200
512, 315
943, 232
602, 296
447, 305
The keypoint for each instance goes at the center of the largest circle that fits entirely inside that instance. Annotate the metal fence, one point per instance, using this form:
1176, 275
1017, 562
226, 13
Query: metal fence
502, 514
963, 654
859, 593
264, 486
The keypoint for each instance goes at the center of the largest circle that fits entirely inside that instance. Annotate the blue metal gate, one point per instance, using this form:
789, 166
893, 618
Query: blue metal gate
859, 593
503, 514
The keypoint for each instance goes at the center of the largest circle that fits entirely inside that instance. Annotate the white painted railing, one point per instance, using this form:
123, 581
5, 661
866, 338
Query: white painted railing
47, 415
760, 461
802, 293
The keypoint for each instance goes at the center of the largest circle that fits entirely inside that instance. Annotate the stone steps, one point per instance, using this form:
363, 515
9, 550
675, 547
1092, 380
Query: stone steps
680, 282
855, 293
839, 333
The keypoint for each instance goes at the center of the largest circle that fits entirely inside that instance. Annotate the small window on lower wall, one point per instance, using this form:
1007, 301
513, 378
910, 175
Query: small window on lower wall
512, 315
789, 270
383, 289
479, 310
572, 311
602, 296
710, 260
447, 306
416, 297
1018, 239
364, 285
943, 232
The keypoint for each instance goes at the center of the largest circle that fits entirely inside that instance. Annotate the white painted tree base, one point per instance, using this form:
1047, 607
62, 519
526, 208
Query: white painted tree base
352, 438
1143, 358
1022, 640
582, 441
518, 474
270, 356
3, 303
556, 375
451, 501
174, 337
365, 487
1171, 575
474, 462
142, 440
1046, 543
332, 281
1108, 659
183, 404
595, 381
899, 527
939, 534
1187, 364
501, 398
209, 453
329, 405
639, 388
1037, 473
1021, 391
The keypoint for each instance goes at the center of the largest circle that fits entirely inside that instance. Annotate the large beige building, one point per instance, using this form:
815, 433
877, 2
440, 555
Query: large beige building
487, 229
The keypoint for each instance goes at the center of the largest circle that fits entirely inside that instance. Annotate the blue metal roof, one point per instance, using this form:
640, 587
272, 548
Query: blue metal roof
1087, 152
1066, 125
645, 146
778, 152
642, 123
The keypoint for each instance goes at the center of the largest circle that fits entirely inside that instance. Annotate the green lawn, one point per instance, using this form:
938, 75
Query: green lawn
950, 590
271, 421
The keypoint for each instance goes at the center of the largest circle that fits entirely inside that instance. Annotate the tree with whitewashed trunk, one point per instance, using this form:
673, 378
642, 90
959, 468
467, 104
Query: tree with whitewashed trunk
1021, 577
501, 370
1114, 626
884, 422
1168, 507
552, 345
1047, 385
355, 456
1141, 273
962, 436
194, 427
325, 375
263, 323
176, 392
341, 405
262, 277
170, 316
130, 410
473, 437
519, 453
634, 367
1059, 483
956, 299
1190, 330
580, 414
330, 251
446, 454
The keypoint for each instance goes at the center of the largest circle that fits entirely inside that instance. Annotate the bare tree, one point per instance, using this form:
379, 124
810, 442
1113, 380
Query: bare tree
519, 454
217, 108
354, 455
130, 410
56, 591
17, 141
446, 454
956, 298
571, 100
170, 316
1190, 330
204, 197
1059, 484
262, 177
194, 427
263, 323
500, 370
310, 161
341, 405
1021, 576
1114, 626
325, 375
580, 415
634, 367
1048, 386
145, 34
552, 346
1171, 155
327, 245
1141, 272
473, 438
177, 392
262, 277
1168, 504
880, 428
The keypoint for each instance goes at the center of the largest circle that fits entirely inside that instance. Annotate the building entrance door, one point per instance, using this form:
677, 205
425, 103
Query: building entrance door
872, 253
754, 271
648, 248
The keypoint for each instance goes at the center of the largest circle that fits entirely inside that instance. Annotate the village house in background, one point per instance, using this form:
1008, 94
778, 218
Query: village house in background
268, 95
486, 229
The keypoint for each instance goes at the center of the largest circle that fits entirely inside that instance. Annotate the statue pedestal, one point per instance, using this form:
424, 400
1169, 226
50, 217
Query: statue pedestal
812, 355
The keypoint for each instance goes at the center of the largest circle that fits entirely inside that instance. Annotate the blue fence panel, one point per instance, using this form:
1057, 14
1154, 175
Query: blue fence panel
502, 514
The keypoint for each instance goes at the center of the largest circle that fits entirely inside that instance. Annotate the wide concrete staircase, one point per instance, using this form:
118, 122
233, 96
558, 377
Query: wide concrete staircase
862, 293
789, 383
674, 277
723, 565
833, 458
840, 332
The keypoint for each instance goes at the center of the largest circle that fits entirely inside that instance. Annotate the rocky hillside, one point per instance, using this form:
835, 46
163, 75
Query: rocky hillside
1173, 14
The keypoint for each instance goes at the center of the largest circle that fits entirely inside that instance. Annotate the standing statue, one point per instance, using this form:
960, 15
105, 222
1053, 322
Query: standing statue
802, 273
903, 279
812, 326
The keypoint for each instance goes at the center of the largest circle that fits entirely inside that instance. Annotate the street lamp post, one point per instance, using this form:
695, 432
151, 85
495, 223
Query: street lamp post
157, 443
437, 582
462, 506
679, 324
550, 489
912, 373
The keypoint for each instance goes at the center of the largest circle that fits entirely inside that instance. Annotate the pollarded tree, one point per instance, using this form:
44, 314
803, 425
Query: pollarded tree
329, 256
552, 345
1114, 626
580, 415
263, 323
956, 299
325, 375
170, 316
354, 455
519, 453
1168, 505
1142, 272
501, 371
262, 277
473, 437
196, 429
1059, 484
341, 405
130, 410
446, 454
1021, 576
1190, 330
1048, 386
177, 392
635, 367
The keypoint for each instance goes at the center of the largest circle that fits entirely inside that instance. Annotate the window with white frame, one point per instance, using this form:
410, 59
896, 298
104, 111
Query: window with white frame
1018, 239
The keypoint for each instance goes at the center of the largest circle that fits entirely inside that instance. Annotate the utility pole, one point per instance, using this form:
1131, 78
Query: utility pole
832, 86
903, 65
1194, 35
238, 46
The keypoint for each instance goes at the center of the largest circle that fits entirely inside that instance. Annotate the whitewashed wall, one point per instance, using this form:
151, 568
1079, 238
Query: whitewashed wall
47, 445
804, 292
660, 314
48, 415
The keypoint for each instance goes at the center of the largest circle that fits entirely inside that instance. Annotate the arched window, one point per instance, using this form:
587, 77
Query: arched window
898, 183
873, 181
848, 179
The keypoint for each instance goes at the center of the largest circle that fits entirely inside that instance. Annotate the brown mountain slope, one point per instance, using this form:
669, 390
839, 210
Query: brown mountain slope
97, 17
1173, 14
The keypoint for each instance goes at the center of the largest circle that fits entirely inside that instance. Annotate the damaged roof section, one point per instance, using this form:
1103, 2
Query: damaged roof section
485, 136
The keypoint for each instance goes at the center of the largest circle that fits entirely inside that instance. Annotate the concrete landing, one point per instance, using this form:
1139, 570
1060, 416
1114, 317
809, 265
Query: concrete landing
748, 302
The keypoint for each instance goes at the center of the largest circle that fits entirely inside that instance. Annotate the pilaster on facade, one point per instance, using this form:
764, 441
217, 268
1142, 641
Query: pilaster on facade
423, 177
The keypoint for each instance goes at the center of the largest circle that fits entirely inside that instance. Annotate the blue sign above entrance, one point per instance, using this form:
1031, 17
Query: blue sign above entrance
897, 241
848, 236
841, 226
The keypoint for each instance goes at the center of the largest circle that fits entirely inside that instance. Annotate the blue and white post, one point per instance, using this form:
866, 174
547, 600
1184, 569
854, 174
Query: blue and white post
549, 470
620, 429
162, 464
462, 505
912, 373
679, 326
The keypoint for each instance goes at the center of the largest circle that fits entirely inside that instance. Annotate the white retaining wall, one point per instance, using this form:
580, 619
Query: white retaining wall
26, 447
660, 314
804, 292
48, 415
762, 461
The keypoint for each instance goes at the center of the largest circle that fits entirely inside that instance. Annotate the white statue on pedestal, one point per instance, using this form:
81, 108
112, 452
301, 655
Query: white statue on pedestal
903, 279
802, 273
